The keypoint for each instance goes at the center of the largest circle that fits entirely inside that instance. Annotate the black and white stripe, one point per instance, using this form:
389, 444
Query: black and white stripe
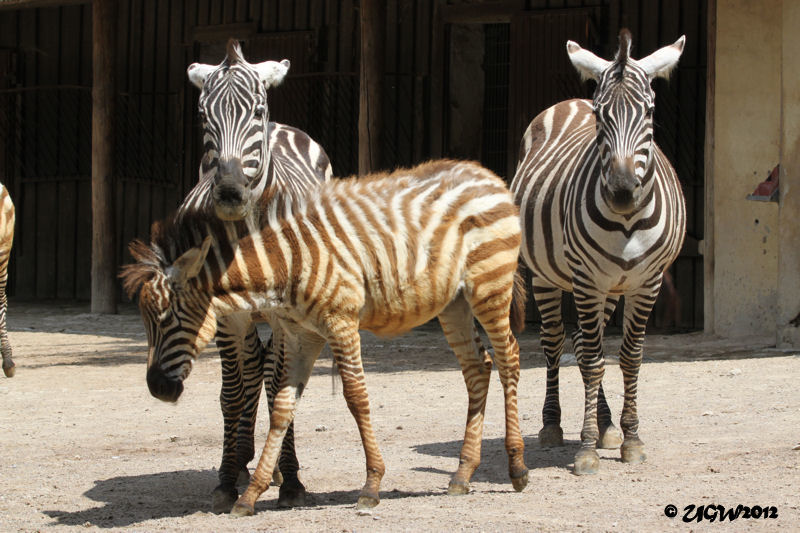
602, 216
248, 161
6, 240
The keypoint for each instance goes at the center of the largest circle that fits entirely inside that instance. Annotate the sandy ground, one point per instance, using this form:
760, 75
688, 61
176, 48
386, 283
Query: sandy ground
84, 446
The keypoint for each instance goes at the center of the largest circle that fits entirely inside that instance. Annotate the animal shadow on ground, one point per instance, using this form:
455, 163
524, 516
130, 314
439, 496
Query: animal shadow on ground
130, 500
133, 499
494, 460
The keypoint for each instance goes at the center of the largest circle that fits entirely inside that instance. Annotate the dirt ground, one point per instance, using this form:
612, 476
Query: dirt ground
84, 446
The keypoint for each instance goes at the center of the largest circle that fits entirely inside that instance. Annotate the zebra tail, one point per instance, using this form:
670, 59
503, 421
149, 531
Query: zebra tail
518, 300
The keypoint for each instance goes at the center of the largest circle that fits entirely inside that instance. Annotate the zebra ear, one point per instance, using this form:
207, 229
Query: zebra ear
189, 264
272, 72
198, 72
589, 65
660, 63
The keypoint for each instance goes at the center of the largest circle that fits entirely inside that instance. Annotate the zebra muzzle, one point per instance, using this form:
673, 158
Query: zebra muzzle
162, 387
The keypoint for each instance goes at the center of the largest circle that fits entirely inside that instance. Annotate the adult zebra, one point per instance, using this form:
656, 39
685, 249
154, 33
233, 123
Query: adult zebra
602, 216
6, 240
384, 254
247, 163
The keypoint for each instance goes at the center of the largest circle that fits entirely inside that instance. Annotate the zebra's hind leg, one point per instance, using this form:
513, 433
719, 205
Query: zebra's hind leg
548, 300
458, 326
9, 369
637, 310
590, 306
292, 492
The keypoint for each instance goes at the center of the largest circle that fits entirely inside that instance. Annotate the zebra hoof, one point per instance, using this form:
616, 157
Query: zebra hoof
610, 438
551, 436
632, 451
587, 462
367, 502
292, 494
457, 488
222, 499
10, 370
519, 483
243, 509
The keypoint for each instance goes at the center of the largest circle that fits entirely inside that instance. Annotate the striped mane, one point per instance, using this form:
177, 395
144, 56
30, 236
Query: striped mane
622, 55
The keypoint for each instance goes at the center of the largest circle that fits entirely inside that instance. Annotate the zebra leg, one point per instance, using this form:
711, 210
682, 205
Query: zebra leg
591, 363
292, 493
301, 351
491, 307
242, 373
610, 435
548, 300
9, 369
458, 326
637, 310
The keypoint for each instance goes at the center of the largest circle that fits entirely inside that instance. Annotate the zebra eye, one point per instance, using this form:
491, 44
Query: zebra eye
201, 113
650, 111
260, 108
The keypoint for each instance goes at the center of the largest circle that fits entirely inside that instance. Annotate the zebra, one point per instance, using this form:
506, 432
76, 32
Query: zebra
383, 253
6, 240
247, 162
602, 216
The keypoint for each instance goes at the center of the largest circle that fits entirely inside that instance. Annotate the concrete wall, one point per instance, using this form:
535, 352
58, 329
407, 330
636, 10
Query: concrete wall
755, 279
747, 118
789, 249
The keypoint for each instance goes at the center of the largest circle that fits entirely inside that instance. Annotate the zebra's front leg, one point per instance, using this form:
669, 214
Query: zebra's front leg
9, 369
548, 301
292, 493
301, 351
242, 374
637, 310
591, 363
610, 435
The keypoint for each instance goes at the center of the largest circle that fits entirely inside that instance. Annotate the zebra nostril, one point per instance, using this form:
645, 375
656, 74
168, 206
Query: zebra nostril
228, 195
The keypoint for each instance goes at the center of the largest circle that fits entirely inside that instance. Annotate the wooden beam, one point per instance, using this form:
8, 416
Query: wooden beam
30, 4
496, 12
104, 266
222, 32
370, 110
708, 171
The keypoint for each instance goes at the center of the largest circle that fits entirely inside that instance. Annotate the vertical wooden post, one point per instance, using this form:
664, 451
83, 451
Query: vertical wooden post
708, 171
104, 286
370, 112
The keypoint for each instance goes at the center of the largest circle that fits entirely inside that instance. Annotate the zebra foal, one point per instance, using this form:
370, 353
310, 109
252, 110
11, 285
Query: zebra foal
247, 162
602, 216
6, 240
385, 254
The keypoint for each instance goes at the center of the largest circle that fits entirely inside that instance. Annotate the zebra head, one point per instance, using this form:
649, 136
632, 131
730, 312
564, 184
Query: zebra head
233, 108
178, 320
623, 106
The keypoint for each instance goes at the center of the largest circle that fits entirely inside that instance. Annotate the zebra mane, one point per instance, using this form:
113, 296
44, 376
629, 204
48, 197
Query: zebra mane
623, 53
234, 53
147, 265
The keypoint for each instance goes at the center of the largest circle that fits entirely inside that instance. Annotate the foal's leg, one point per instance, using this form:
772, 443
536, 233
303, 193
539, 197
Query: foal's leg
476, 366
5, 347
345, 344
490, 303
292, 493
301, 350
548, 301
